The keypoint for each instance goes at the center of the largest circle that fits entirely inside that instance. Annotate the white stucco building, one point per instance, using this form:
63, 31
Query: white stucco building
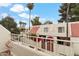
58, 32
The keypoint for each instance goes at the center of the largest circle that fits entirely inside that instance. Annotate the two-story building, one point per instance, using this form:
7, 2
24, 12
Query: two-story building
58, 33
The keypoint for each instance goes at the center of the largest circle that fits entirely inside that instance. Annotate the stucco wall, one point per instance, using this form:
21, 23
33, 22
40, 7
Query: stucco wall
65, 50
75, 45
41, 30
53, 30
4, 37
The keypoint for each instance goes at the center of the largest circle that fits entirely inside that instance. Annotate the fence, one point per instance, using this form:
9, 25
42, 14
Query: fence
49, 45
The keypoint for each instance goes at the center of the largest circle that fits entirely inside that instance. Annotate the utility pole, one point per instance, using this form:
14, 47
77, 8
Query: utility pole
29, 18
67, 20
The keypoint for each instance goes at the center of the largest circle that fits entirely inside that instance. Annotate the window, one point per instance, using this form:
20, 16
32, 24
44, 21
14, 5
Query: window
45, 29
60, 42
63, 38
42, 36
67, 43
63, 42
61, 29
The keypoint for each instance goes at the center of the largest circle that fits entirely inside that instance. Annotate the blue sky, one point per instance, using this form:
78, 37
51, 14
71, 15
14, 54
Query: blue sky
19, 11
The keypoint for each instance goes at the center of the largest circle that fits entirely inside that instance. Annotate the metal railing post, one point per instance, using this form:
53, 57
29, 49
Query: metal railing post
50, 46
46, 43
36, 43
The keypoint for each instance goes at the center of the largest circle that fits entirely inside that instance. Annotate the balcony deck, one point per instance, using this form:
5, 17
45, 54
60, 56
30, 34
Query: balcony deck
27, 46
31, 48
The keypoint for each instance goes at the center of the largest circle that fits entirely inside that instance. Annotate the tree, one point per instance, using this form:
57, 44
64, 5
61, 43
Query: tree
75, 11
48, 22
36, 21
22, 26
30, 7
9, 23
63, 12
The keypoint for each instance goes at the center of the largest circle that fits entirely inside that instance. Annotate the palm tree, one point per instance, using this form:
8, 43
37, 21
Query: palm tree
30, 7
36, 21
20, 23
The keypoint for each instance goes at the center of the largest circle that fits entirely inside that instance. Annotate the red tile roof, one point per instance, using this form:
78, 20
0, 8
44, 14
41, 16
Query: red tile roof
75, 30
34, 29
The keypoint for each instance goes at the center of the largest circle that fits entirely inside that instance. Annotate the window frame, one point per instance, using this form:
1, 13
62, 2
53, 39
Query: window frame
61, 29
45, 29
63, 42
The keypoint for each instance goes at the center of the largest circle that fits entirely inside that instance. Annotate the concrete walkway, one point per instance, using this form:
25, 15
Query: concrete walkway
4, 54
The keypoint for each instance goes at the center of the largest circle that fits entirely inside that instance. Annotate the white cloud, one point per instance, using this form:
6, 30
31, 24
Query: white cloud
18, 8
46, 19
42, 20
25, 15
5, 4
26, 9
4, 15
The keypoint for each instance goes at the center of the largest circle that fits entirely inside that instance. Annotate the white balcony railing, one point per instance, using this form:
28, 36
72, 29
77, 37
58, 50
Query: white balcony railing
39, 43
47, 45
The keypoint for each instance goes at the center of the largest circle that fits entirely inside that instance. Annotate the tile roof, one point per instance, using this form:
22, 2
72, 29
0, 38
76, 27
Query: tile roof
75, 30
34, 29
